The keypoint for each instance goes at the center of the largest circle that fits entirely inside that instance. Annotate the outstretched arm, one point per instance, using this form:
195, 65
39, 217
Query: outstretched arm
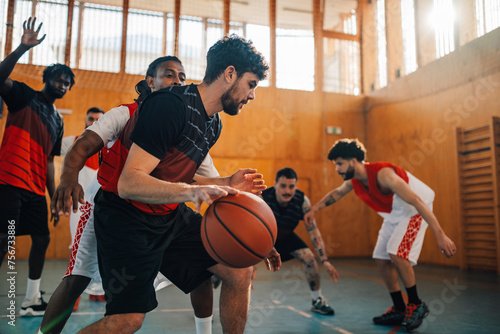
388, 178
318, 243
330, 198
28, 40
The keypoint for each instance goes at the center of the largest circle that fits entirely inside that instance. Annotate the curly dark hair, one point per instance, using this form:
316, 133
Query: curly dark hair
56, 70
287, 172
238, 52
347, 149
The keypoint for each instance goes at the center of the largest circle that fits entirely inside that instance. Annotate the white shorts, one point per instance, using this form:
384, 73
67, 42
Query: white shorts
83, 259
403, 230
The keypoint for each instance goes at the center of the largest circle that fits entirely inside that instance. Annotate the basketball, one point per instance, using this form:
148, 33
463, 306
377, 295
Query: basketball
239, 230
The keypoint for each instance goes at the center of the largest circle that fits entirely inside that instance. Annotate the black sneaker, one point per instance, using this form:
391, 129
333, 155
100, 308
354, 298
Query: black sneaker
414, 316
391, 317
321, 306
33, 308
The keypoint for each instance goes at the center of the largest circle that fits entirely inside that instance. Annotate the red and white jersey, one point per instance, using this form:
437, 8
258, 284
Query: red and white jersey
109, 127
391, 207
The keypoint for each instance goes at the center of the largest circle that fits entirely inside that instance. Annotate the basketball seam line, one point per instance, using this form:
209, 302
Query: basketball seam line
234, 236
262, 221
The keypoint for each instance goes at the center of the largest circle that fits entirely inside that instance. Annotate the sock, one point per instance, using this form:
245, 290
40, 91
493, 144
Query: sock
33, 289
398, 301
412, 295
316, 294
39, 332
203, 325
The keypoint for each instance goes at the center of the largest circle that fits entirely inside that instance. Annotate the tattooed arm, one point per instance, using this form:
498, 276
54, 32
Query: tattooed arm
330, 198
318, 243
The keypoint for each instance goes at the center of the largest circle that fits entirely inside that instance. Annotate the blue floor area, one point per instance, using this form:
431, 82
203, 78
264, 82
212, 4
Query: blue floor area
459, 302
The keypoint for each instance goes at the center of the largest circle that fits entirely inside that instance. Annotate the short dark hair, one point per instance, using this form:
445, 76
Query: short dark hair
347, 149
56, 71
238, 52
287, 172
95, 110
151, 72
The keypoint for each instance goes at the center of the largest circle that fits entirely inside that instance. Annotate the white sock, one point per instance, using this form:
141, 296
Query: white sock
39, 332
203, 325
33, 289
316, 294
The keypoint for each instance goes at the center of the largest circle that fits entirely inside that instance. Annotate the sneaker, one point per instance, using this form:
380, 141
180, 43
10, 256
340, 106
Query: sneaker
391, 317
414, 316
321, 306
97, 298
75, 307
33, 308
216, 281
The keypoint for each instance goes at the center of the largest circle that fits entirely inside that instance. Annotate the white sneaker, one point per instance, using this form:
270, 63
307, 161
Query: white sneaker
33, 308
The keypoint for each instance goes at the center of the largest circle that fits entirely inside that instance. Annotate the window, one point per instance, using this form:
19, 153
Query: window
101, 38
54, 14
487, 16
409, 39
294, 46
250, 19
442, 19
341, 66
381, 45
145, 39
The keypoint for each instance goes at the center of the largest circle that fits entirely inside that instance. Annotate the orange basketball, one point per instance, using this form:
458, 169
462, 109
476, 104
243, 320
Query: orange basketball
239, 230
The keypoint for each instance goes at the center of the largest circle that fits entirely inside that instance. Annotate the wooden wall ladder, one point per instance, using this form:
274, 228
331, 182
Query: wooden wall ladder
479, 177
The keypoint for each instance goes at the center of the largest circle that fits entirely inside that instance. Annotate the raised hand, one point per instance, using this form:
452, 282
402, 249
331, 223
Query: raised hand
30, 35
247, 179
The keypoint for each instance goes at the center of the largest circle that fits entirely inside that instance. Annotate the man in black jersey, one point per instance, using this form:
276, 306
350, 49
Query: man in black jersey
289, 205
141, 222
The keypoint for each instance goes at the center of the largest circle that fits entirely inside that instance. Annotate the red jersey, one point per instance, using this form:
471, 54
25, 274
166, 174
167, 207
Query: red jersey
33, 132
372, 195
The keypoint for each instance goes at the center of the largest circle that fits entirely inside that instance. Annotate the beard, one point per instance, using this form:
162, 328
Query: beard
349, 174
56, 94
229, 103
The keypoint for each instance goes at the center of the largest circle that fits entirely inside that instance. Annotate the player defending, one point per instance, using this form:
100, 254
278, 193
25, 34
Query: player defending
32, 137
289, 206
405, 203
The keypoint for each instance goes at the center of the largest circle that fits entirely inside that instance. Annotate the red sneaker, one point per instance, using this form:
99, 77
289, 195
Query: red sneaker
97, 298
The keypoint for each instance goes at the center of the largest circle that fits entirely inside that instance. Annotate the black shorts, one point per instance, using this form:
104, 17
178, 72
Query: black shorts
24, 209
288, 244
133, 246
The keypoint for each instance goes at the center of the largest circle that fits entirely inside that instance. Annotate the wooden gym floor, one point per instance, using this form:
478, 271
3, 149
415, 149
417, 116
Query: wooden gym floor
459, 301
